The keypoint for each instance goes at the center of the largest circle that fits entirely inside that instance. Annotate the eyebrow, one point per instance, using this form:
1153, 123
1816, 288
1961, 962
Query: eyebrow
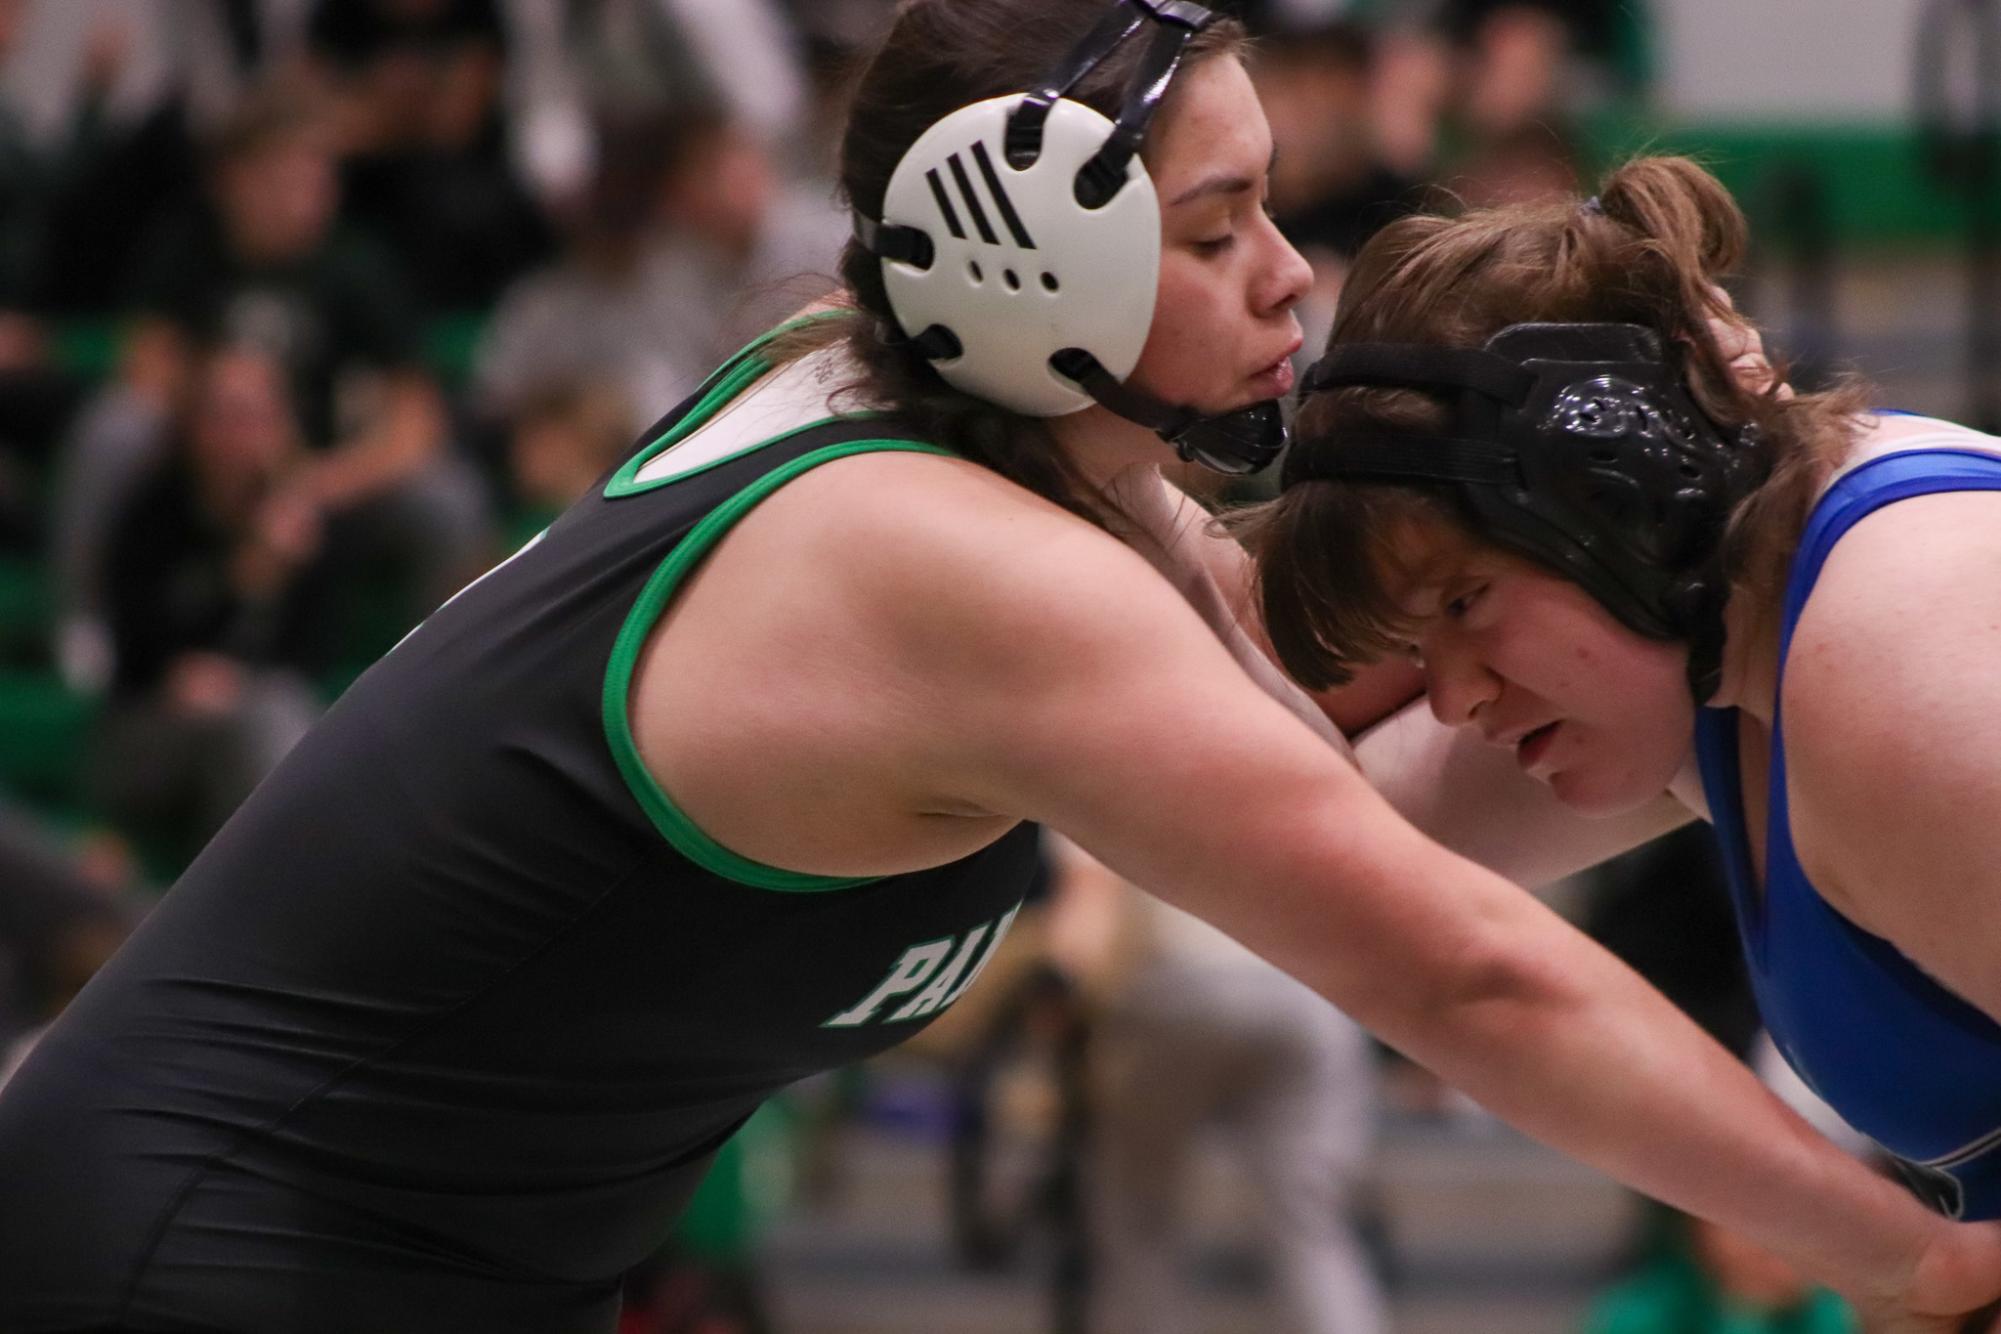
1220, 184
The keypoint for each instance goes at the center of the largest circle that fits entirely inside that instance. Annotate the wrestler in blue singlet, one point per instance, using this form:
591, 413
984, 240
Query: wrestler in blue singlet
1901, 1058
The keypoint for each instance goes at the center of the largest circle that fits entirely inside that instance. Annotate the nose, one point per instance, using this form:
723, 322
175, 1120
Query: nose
1457, 684
1287, 276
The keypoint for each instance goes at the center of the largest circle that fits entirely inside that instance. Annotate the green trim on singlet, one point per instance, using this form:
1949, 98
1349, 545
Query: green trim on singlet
727, 381
683, 833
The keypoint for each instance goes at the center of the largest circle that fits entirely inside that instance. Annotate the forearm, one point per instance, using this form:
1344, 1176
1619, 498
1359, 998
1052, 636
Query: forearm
1485, 985
1378, 692
1560, 1039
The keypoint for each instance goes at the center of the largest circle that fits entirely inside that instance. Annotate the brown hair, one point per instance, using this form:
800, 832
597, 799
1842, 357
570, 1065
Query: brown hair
1648, 253
938, 56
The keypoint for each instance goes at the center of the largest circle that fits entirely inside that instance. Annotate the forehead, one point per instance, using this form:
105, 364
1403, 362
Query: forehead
1212, 122
1420, 555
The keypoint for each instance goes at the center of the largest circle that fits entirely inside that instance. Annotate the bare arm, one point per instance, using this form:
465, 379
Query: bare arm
1089, 697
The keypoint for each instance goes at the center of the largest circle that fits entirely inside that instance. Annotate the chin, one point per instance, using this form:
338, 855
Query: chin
1599, 796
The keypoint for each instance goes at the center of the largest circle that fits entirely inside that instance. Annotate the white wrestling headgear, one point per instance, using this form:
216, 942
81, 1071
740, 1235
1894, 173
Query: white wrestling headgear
1020, 247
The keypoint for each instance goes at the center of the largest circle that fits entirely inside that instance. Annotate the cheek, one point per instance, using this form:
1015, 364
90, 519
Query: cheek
1634, 732
1589, 663
1648, 679
1182, 340
1622, 683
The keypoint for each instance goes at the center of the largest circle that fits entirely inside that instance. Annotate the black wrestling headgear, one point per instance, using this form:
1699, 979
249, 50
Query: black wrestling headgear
1577, 445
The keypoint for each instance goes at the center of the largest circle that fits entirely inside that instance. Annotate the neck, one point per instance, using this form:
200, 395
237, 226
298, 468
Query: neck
1106, 448
1750, 679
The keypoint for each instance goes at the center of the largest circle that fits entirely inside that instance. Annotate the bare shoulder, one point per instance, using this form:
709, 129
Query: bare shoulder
1907, 600
938, 548
966, 614
1892, 706
845, 663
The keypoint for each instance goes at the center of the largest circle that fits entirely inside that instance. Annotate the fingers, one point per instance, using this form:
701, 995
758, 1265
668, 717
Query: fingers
1743, 348
1743, 351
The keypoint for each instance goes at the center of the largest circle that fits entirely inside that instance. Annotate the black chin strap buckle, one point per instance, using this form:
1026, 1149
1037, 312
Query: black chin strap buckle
1236, 443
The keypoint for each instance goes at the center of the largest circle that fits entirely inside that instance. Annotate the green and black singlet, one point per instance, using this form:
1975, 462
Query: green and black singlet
440, 1031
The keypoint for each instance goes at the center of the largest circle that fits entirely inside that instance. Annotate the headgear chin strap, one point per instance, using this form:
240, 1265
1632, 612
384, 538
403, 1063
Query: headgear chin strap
1577, 445
1020, 247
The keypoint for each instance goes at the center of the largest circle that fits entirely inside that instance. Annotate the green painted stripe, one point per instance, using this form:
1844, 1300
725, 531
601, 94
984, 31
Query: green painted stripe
671, 821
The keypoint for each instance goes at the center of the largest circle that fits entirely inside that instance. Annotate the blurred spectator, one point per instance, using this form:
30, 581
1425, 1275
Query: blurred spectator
61, 914
216, 610
1514, 57
561, 441
1194, 1032
1531, 162
1333, 184
1336, 178
689, 245
416, 90
608, 307
111, 60
1705, 1279
261, 263
1488, 88
37, 397
746, 245
576, 62
31, 169
384, 51
1528, 59
98, 90
229, 48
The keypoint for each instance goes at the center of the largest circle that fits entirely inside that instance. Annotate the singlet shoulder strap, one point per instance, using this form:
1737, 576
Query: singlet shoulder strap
1861, 492
672, 822
1853, 496
1723, 786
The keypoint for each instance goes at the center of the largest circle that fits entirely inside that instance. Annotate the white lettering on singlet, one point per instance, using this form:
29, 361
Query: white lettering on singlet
920, 966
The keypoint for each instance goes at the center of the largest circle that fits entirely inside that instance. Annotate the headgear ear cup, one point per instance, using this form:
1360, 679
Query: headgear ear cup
1020, 269
1020, 247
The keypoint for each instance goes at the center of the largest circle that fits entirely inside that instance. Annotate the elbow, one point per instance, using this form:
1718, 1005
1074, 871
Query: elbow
1495, 990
